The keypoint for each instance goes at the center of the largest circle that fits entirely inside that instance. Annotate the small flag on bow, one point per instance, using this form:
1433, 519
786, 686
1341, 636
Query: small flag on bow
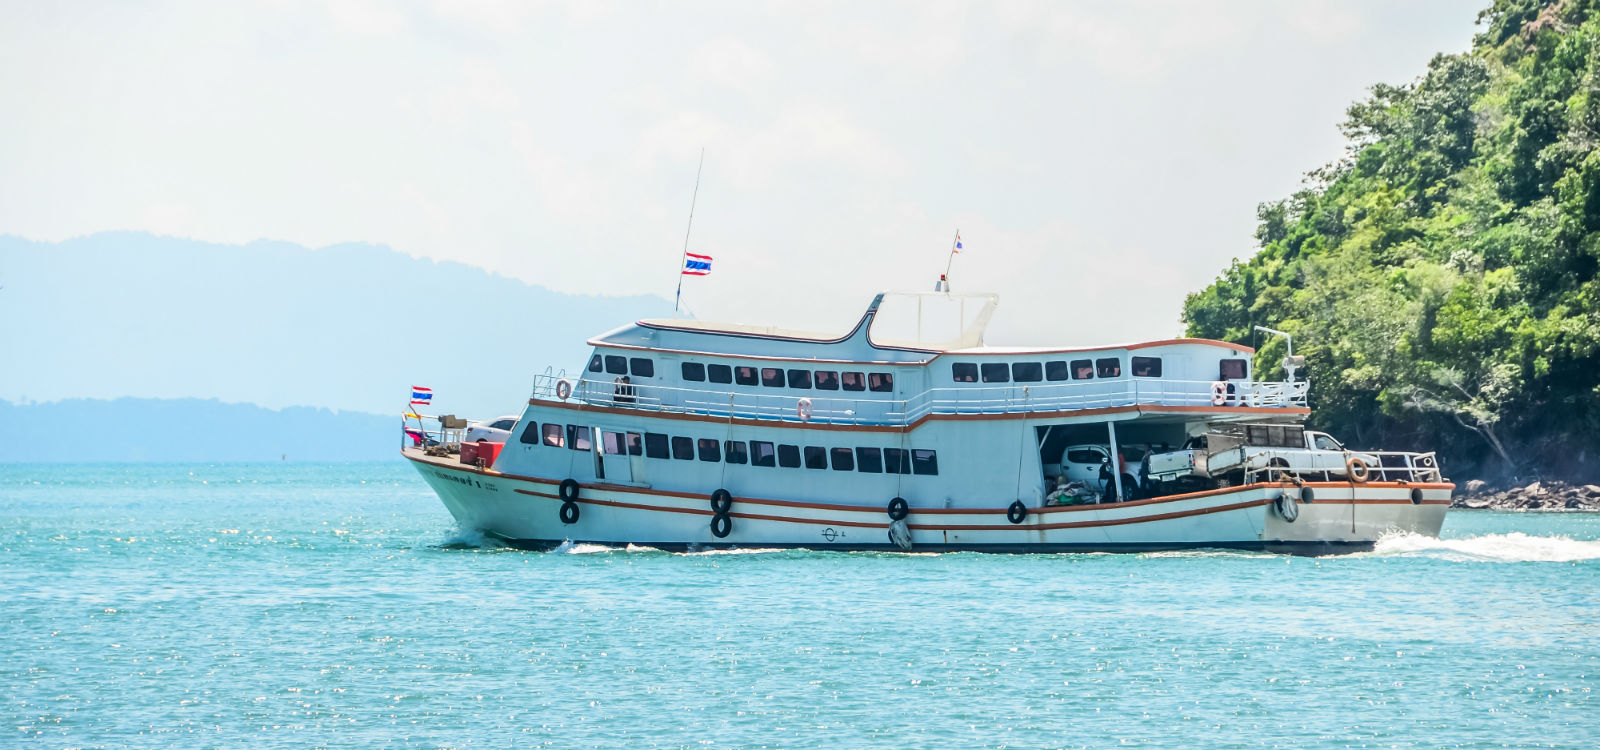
420, 395
696, 265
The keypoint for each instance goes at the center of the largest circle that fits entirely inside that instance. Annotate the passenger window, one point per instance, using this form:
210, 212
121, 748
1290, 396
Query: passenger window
694, 371
843, 459
642, 367
530, 434
964, 372
1027, 372
816, 458
1055, 370
1145, 367
853, 381
735, 452
635, 444
552, 435
710, 450
996, 372
719, 373
1110, 367
745, 375
761, 453
799, 378
772, 377
683, 448
595, 364
896, 461
1082, 369
616, 365
655, 445
1232, 369
827, 380
789, 456
869, 460
882, 382
924, 462
578, 438
611, 443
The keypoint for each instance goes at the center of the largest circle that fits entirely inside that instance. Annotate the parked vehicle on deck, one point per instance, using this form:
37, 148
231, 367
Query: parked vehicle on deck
496, 431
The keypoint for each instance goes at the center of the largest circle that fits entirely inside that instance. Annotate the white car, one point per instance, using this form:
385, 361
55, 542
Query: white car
497, 431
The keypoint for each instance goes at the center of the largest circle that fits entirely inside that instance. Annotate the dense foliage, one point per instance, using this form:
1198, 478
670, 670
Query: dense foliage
1441, 280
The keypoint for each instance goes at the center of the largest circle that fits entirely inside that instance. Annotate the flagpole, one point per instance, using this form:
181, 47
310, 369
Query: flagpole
676, 298
950, 259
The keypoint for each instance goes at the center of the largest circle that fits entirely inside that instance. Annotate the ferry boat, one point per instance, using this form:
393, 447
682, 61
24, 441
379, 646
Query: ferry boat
684, 434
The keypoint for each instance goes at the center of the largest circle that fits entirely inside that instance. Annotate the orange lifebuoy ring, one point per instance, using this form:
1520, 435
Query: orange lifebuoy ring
563, 389
1357, 470
1219, 393
802, 409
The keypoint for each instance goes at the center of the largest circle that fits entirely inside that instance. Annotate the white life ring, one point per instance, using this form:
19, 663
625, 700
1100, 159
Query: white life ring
1219, 393
802, 409
563, 389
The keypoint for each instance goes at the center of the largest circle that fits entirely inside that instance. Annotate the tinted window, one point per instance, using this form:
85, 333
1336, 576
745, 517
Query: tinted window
1232, 369
694, 371
635, 444
789, 456
1325, 443
1055, 370
816, 458
530, 434
799, 378
996, 372
1145, 367
762, 453
683, 448
964, 372
1027, 372
616, 365
552, 435
744, 375
881, 382
503, 424
772, 377
853, 381
843, 459
578, 438
827, 380
924, 462
1110, 367
710, 450
869, 460
642, 367
1082, 369
896, 461
595, 364
655, 445
1085, 457
611, 443
719, 373
736, 453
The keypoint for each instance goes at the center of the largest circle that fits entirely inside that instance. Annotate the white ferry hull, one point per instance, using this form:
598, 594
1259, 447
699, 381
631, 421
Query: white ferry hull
526, 511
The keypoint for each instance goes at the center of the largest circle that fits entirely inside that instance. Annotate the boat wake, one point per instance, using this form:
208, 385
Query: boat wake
1513, 547
468, 539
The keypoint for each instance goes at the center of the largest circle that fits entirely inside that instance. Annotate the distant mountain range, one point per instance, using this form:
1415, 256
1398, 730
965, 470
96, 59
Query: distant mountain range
191, 430
348, 327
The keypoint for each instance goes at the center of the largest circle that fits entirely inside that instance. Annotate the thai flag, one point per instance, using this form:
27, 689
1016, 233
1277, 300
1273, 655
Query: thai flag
696, 265
958, 246
420, 395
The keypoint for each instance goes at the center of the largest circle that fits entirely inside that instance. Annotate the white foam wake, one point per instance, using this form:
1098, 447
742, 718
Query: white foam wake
1513, 547
468, 539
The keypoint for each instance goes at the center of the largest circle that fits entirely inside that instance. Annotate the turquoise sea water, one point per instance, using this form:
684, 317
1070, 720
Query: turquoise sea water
336, 605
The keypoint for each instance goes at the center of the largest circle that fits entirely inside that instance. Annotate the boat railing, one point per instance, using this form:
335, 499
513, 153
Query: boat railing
1011, 398
1379, 466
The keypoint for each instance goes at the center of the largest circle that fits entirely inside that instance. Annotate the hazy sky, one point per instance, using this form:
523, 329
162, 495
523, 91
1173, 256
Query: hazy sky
1101, 160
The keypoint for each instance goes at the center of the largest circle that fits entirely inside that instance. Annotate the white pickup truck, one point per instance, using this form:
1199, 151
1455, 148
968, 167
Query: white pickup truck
1227, 452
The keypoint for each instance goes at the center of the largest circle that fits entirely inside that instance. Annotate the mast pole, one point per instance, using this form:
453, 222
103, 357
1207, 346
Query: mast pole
950, 259
676, 298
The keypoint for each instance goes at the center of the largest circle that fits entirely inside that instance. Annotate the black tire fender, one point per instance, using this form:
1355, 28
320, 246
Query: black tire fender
898, 509
1017, 513
721, 501
569, 490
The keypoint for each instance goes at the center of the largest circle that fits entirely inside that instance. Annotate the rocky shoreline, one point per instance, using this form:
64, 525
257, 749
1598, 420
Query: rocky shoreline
1476, 495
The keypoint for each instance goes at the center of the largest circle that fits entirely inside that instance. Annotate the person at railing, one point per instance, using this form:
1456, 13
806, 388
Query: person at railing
624, 390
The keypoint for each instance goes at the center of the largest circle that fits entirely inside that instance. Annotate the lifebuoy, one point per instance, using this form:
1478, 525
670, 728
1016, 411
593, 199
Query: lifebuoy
1357, 469
802, 409
1219, 393
563, 389
1288, 509
899, 509
721, 502
1017, 513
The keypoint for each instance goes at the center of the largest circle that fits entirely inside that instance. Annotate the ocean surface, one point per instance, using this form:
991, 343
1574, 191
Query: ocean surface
295, 605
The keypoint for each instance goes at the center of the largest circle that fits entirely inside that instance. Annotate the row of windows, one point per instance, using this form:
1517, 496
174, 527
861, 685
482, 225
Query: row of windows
776, 377
753, 452
639, 367
1077, 369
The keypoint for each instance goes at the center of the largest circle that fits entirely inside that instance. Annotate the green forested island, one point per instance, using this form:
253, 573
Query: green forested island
1441, 279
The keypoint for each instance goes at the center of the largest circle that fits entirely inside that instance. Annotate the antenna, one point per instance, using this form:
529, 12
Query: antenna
944, 278
1290, 362
676, 298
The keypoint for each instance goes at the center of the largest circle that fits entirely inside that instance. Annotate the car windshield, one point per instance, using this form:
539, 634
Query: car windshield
1326, 443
